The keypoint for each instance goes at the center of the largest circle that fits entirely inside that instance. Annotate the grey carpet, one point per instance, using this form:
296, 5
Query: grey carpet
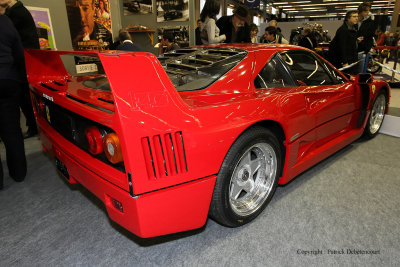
349, 201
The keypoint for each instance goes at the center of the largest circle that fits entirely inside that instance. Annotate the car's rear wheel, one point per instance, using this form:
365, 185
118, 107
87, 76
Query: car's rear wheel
376, 116
247, 179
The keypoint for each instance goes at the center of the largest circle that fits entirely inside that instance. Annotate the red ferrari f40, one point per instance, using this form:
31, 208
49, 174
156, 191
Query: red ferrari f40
204, 131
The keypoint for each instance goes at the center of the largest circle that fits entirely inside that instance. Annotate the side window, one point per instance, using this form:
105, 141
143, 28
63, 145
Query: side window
306, 68
336, 77
274, 75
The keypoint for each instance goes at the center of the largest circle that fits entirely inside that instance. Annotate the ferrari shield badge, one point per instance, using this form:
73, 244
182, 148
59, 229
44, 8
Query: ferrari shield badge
373, 89
48, 113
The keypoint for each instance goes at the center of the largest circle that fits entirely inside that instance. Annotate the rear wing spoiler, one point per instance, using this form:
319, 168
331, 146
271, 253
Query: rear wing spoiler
42, 65
136, 77
148, 111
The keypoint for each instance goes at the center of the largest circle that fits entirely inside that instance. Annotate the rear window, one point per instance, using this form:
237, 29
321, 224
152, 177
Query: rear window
197, 68
189, 69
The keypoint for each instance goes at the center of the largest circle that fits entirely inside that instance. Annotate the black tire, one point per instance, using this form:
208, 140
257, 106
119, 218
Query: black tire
376, 116
261, 147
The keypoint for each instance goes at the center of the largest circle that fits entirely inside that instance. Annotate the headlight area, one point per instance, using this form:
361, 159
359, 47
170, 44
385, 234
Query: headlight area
96, 139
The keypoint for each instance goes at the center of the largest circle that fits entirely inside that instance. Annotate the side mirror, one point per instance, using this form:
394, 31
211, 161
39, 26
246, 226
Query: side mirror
364, 78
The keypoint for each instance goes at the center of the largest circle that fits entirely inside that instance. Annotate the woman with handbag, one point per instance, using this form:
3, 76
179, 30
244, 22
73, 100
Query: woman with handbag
209, 30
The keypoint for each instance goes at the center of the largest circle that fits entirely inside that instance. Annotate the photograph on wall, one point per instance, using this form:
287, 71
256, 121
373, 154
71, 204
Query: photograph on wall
179, 34
41, 16
89, 23
137, 7
172, 10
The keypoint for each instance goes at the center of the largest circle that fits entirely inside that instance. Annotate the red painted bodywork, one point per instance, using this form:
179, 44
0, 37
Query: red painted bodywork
315, 121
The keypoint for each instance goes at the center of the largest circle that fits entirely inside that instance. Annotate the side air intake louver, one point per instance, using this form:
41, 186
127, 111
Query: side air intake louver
164, 155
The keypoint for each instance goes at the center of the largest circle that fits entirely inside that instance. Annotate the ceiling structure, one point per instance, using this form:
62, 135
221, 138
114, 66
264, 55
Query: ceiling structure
325, 8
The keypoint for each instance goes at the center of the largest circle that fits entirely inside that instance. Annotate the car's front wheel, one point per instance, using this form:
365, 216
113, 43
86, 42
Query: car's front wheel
376, 116
247, 179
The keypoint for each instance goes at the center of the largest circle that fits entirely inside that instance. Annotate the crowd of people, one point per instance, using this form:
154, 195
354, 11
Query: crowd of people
356, 37
233, 28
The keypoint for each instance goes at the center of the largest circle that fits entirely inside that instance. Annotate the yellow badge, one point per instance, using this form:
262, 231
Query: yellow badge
373, 89
48, 113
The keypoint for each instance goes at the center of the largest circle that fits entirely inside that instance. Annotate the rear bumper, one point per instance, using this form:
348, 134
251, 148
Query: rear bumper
175, 209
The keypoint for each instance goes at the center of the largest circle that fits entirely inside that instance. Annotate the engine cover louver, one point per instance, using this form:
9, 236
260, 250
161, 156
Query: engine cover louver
164, 155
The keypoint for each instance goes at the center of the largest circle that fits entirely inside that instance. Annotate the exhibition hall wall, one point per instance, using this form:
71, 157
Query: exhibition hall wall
61, 29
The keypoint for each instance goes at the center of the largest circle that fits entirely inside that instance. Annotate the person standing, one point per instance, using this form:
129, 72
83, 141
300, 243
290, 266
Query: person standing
308, 40
253, 33
366, 29
198, 32
381, 37
343, 48
209, 30
23, 22
11, 79
235, 27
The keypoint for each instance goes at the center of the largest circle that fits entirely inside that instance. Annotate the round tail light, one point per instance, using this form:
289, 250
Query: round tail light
112, 148
95, 140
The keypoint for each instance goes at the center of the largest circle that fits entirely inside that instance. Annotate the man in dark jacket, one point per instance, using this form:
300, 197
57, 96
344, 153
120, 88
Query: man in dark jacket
126, 42
343, 48
23, 22
235, 27
11, 78
366, 29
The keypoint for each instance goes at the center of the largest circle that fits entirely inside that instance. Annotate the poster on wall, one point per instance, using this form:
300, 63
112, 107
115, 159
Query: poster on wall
172, 10
44, 28
89, 23
137, 7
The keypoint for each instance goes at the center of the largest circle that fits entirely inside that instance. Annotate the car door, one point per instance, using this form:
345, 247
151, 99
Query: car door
329, 98
279, 90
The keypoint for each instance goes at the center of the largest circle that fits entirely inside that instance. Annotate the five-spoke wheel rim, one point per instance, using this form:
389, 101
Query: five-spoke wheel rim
253, 179
377, 114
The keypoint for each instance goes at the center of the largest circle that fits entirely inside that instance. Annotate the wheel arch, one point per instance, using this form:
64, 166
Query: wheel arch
277, 129
386, 90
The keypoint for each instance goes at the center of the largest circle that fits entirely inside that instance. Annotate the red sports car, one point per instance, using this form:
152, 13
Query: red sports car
165, 142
